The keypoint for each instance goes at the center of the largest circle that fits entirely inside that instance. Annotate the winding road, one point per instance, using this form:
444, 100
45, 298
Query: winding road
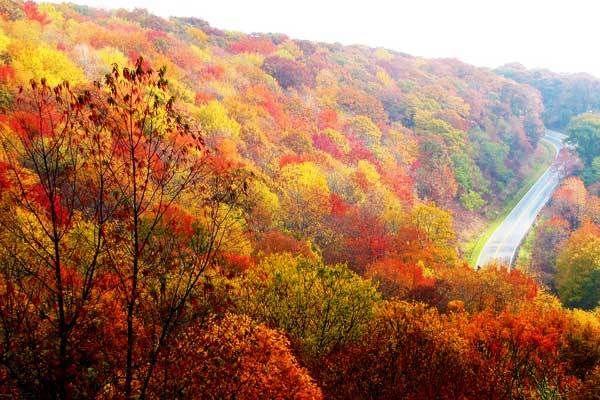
505, 240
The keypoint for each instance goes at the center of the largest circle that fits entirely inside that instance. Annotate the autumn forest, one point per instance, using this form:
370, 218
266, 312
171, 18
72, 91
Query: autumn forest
193, 213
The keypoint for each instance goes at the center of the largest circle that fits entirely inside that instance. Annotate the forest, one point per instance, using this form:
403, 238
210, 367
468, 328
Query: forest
565, 96
188, 212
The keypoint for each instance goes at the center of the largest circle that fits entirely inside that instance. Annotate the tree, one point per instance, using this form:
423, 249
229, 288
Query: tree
471, 200
215, 120
288, 73
399, 280
253, 44
31, 11
590, 389
149, 171
578, 268
591, 175
37, 62
50, 251
355, 101
365, 130
428, 238
94, 177
11, 10
328, 118
274, 242
517, 352
322, 307
305, 197
332, 142
492, 289
592, 209
232, 358
491, 158
564, 95
409, 351
569, 200
583, 347
584, 134
435, 176
549, 238
157, 157
360, 238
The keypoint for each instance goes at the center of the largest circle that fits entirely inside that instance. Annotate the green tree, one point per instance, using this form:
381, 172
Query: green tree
592, 173
434, 222
584, 134
365, 129
578, 265
492, 159
471, 200
321, 306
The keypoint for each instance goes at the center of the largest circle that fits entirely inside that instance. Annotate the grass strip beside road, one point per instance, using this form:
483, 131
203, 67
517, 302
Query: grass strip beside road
474, 247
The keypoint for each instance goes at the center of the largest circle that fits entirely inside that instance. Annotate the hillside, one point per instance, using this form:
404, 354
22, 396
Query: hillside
189, 212
273, 101
564, 95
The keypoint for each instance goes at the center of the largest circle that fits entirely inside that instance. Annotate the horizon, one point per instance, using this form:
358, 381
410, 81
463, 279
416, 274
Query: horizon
490, 47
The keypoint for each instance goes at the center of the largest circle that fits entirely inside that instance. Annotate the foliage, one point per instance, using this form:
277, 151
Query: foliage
234, 358
569, 200
428, 238
519, 352
306, 196
89, 225
565, 95
287, 72
492, 289
584, 133
189, 231
563, 255
578, 268
37, 62
472, 200
215, 120
413, 351
321, 307
397, 279
410, 351
549, 238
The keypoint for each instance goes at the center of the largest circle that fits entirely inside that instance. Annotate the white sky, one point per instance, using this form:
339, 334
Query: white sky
561, 35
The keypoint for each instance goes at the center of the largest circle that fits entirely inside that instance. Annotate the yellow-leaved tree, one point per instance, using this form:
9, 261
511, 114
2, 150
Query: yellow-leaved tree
216, 121
37, 62
305, 197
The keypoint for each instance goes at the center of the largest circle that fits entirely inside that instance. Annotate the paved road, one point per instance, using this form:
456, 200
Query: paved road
503, 243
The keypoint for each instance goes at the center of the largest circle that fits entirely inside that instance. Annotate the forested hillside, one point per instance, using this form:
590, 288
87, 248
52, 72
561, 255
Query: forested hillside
564, 95
189, 212
276, 102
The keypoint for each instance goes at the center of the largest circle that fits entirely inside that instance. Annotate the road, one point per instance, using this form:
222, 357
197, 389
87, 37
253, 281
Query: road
505, 240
